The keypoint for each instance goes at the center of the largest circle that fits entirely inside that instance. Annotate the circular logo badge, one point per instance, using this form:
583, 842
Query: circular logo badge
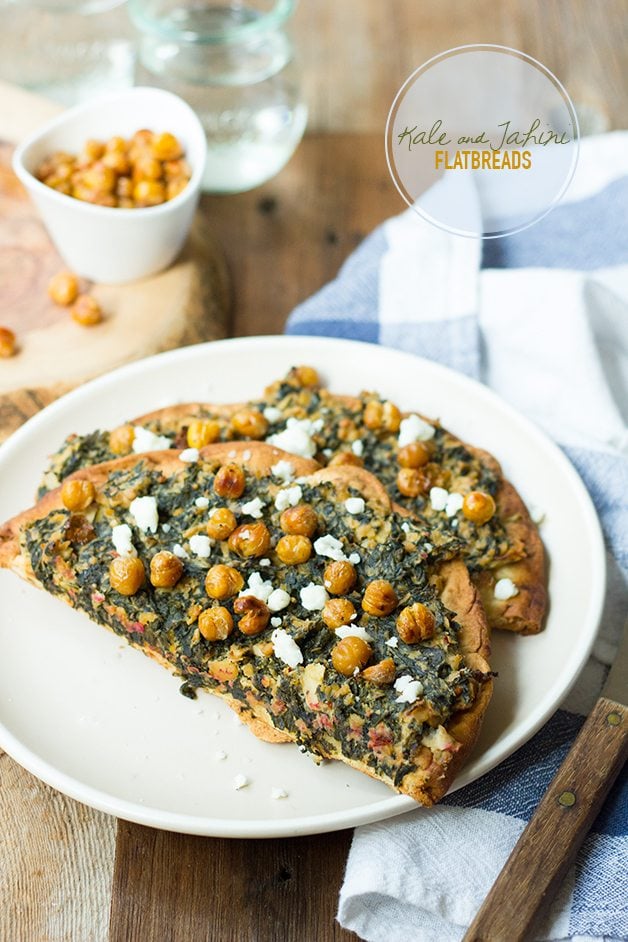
482, 141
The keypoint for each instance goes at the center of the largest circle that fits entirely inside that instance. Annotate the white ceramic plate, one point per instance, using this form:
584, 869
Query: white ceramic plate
106, 725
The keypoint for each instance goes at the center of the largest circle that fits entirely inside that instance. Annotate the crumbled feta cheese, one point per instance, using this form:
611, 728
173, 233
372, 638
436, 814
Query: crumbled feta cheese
353, 631
178, 550
232, 454
246, 455
272, 414
408, 689
438, 498
144, 512
166, 527
428, 547
286, 648
200, 545
329, 546
278, 600
240, 781
355, 558
405, 527
392, 642
121, 537
505, 589
220, 755
145, 440
415, 429
276, 621
357, 447
253, 508
277, 793
328, 452
283, 470
438, 739
355, 505
258, 587
264, 562
454, 504
296, 438
288, 497
313, 597
537, 514
202, 503
189, 455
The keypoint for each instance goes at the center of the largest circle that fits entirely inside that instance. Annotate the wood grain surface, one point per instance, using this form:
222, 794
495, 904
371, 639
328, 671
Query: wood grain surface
282, 242
175, 888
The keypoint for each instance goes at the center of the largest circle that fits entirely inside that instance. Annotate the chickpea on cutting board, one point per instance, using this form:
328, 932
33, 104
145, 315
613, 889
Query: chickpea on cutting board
45, 351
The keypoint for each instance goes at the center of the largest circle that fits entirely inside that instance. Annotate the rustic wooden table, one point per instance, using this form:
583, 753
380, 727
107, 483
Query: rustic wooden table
58, 877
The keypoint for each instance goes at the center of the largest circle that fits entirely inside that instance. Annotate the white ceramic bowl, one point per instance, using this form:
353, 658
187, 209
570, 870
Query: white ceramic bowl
108, 245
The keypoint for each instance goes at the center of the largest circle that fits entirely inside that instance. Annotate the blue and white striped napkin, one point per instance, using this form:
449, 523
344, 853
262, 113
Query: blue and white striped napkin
542, 318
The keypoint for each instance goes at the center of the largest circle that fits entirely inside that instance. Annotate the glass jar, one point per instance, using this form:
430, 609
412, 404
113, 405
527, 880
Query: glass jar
67, 50
234, 64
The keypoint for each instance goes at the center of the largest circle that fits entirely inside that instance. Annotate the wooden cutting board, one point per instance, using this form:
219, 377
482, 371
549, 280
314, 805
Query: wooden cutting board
187, 303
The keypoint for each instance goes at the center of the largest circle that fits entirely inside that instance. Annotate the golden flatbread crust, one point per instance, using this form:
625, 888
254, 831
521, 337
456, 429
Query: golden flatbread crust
425, 784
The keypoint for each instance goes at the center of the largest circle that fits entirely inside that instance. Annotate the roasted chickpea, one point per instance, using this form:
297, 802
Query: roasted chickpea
124, 187
126, 574
177, 169
215, 624
382, 673
222, 582
165, 570
300, 520
63, 288
149, 193
121, 439
7, 342
146, 168
381, 415
92, 150
346, 457
350, 655
166, 147
415, 623
230, 481
99, 178
254, 613
391, 417
221, 524
143, 138
338, 612
414, 455
118, 162
176, 186
373, 414
202, 432
380, 598
412, 483
77, 495
339, 577
250, 539
478, 507
294, 549
86, 311
305, 376
249, 423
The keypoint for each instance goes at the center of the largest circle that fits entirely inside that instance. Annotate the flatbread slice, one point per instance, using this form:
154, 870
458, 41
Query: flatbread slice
364, 641
504, 553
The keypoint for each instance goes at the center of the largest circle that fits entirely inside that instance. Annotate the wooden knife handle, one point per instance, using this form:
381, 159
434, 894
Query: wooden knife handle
547, 847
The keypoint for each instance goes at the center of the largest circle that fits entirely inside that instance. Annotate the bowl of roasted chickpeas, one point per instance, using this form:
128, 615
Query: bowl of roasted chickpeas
116, 182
